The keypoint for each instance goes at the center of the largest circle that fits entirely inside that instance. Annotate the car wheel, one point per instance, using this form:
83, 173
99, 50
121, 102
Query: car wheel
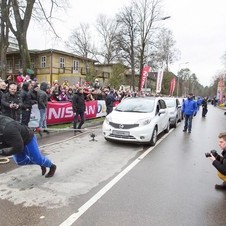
154, 137
167, 128
107, 139
175, 124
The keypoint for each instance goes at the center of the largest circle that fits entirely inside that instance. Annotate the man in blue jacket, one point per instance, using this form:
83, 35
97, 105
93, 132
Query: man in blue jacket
189, 109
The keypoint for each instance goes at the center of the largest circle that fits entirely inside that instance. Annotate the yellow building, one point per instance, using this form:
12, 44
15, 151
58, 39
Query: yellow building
50, 65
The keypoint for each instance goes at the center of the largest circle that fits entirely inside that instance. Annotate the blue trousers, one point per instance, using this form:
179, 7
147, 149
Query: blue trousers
31, 155
42, 121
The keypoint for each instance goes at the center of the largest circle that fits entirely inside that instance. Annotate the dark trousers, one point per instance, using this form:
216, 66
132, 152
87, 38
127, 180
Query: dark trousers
188, 122
82, 119
26, 117
204, 111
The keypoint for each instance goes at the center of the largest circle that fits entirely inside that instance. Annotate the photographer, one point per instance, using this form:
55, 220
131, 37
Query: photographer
11, 103
219, 162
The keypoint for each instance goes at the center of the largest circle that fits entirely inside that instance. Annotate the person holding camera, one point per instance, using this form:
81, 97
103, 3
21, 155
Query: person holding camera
219, 161
11, 103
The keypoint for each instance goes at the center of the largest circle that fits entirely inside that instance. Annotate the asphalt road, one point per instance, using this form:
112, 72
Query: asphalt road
172, 185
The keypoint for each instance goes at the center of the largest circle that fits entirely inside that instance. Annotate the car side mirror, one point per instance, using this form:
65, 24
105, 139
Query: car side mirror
162, 111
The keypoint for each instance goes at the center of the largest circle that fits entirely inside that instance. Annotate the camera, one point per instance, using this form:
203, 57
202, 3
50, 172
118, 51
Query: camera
213, 152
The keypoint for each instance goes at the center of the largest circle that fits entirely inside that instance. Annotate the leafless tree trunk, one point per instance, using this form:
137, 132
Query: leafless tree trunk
126, 39
4, 43
107, 29
148, 11
20, 31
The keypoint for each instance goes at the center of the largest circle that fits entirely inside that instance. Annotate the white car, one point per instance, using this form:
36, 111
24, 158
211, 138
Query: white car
137, 119
174, 108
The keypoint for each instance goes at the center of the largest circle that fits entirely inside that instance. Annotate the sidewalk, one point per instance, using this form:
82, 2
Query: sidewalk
88, 123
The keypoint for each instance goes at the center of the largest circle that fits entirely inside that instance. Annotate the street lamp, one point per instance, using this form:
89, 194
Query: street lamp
178, 78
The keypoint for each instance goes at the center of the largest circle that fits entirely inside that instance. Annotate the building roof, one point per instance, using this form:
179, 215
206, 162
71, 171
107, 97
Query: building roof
36, 51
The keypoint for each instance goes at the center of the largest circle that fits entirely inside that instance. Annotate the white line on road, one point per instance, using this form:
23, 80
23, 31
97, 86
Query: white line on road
71, 219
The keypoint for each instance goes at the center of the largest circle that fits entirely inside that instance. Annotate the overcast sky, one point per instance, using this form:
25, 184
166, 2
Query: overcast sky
198, 26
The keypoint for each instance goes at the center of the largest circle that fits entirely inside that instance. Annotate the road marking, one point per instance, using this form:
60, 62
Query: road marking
71, 219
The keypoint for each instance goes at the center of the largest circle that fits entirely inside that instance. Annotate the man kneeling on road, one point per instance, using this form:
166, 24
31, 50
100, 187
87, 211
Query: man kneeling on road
19, 140
219, 162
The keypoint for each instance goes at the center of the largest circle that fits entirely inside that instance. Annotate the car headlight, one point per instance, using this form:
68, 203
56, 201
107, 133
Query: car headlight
144, 122
108, 119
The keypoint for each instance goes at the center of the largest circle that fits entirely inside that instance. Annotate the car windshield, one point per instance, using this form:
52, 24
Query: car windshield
136, 105
170, 103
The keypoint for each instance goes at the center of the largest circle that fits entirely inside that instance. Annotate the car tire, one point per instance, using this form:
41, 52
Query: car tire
107, 139
154, 137
167, 128
175, 124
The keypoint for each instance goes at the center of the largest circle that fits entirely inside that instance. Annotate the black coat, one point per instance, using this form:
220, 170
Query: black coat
8, 99
26, 99
220, 163
13, 136
78, 103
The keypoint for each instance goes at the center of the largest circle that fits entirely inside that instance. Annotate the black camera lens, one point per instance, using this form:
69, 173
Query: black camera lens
207, 155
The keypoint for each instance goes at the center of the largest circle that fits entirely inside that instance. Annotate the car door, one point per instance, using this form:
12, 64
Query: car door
164, 117
178, 109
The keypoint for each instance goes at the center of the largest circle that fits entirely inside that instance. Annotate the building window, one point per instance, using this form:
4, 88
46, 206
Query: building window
32, 63
75, 66
9, 65
62, 62
43, 61
18, 64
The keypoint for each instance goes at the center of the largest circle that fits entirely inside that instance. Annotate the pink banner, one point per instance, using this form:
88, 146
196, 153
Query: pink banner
144, 76
61, 112
172, 86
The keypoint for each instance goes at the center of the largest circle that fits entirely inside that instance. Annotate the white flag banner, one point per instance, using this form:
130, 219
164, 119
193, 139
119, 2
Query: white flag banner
159, 81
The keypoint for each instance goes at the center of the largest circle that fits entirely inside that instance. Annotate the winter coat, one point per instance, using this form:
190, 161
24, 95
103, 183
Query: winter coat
26, 99
220, 162
42, 99
8, 99
189, 107
13, 136
78, 103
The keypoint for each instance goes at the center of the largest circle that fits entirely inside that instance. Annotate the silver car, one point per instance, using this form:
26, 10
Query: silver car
174, 107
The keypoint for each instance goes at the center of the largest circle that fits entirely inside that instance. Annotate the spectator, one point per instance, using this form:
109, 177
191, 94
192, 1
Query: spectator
11, 103
96, 84
27, 103
70, 94
189, 109
63, 96
110, 99
79, 108
42, 106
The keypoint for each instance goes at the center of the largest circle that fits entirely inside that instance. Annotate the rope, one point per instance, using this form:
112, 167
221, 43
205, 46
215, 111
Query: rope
4, 160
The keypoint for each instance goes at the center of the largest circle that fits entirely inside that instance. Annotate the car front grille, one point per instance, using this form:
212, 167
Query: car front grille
122, 136
123, 126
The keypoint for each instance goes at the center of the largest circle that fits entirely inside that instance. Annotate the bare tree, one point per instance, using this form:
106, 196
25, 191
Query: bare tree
22, 12
127, 38
80, 41
166, 53
148, 12
21, 17
107, 28
4, 41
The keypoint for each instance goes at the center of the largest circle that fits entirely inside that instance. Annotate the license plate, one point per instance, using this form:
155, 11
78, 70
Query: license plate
118, 132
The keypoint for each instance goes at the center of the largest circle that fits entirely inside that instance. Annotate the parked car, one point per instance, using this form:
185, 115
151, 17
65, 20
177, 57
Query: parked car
174, 107
137, 119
